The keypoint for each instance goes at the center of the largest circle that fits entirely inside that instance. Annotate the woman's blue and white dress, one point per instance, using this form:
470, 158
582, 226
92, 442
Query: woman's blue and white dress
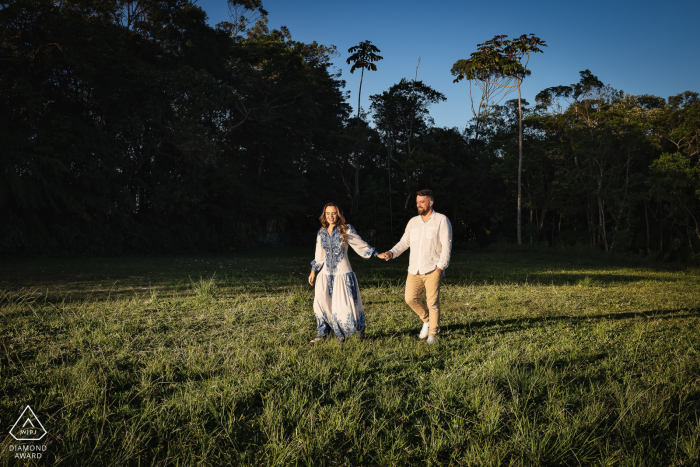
337, 303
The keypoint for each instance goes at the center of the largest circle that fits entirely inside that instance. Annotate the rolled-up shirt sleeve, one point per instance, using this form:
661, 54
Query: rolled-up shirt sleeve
361, 247
320, 256
446, 244
403, 244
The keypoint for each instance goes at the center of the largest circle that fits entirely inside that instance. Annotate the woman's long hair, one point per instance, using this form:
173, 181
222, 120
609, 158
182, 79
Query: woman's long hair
340, 223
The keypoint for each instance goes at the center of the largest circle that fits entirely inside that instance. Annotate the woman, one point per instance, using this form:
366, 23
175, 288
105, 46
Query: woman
337, 303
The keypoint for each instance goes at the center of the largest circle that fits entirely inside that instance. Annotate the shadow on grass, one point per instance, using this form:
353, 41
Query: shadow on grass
268, 270
488, 327
462, 279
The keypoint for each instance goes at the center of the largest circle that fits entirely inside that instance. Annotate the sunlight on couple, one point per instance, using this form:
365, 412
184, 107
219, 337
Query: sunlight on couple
337, 301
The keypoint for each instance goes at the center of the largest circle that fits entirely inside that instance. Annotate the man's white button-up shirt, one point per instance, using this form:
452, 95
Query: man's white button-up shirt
430, 242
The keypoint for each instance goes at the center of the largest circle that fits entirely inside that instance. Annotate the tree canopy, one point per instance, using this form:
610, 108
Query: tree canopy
135, 126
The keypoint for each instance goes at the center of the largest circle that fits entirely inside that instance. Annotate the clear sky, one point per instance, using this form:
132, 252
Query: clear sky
642, 47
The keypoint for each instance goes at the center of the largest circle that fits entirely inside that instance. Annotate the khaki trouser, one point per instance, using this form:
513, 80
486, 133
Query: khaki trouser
431, 283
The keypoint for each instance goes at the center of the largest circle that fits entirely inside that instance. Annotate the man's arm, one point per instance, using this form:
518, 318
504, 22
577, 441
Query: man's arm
403, 244
446, 243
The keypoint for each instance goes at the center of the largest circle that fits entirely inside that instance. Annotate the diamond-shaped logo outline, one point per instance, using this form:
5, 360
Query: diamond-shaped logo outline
30, 421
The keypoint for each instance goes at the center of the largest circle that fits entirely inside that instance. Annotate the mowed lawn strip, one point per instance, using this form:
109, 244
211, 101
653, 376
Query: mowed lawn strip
543, 359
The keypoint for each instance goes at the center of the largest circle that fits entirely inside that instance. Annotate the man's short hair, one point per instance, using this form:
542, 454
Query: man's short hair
427, 193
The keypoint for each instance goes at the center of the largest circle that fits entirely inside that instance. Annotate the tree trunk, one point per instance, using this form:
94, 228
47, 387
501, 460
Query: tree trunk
347, 182
560, 216
690, 241
540, 225
356, 201
661, 234
591, 224
646, 218
356, 197
520, 161
697, 228
601, 219
359, 94
621, 211
391, 216
554, 220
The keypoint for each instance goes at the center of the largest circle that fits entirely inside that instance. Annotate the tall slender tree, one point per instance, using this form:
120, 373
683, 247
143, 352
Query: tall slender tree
496, 62
362, 57
402, 118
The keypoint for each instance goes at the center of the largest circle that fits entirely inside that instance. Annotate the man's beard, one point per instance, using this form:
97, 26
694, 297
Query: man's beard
422, 211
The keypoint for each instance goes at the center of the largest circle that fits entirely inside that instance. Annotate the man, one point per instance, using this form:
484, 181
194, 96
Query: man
429, 235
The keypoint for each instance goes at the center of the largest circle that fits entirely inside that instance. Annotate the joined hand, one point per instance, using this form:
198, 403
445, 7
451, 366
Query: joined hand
386, 255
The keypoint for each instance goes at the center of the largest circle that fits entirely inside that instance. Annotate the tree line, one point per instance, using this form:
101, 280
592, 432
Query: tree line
134, 126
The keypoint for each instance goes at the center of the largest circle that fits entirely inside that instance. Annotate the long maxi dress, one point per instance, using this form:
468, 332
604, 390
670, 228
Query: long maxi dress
337, 301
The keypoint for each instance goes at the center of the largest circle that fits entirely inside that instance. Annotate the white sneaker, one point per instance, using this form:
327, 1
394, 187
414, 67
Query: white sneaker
424, 332
431, 340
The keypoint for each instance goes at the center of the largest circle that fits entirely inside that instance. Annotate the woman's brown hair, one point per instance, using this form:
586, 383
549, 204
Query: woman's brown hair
340, 223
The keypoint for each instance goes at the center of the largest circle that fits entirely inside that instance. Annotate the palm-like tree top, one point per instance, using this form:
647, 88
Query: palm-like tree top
363, 55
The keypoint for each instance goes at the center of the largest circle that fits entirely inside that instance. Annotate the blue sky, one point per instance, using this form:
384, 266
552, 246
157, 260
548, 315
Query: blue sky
640, 47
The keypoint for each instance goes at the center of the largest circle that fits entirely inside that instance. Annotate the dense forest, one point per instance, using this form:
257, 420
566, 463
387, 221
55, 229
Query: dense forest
135, 127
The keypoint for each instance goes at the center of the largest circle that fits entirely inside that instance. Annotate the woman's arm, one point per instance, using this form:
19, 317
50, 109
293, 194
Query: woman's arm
319, 259
360, 246
320, 256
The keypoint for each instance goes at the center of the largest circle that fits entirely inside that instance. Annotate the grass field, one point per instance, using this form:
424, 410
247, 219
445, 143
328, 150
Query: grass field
204, 360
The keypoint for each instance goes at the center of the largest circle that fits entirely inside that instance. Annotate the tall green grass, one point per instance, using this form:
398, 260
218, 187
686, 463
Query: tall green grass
542, 360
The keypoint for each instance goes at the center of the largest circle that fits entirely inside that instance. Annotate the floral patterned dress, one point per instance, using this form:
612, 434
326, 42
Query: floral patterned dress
337, 303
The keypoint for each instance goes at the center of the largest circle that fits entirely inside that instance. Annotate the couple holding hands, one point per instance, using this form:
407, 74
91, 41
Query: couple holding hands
337, 301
